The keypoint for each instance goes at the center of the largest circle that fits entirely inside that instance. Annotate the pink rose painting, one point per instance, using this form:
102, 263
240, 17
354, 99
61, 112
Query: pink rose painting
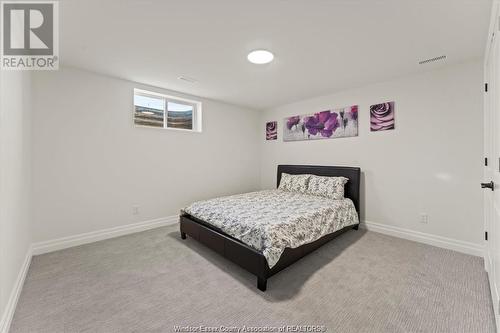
382, 117
336, 123
272, 130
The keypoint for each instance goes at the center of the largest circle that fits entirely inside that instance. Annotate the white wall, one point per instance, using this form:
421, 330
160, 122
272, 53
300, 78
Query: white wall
431, 163
91, 165
15, 181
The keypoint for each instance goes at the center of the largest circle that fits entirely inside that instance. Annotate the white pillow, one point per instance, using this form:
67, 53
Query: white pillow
329, 187
294, 183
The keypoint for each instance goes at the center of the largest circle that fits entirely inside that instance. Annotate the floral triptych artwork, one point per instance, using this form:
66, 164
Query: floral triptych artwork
335, 123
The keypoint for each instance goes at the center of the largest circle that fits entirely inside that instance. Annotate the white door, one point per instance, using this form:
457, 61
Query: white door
492, 167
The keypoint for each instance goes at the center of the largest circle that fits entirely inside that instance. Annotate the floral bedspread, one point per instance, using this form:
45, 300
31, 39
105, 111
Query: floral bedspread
272, 220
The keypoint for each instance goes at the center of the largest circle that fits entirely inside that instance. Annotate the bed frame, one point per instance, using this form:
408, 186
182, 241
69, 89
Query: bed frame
253, 260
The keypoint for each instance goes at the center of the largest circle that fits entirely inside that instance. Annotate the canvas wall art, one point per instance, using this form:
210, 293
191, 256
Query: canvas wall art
272, 130
382, 117
335, 123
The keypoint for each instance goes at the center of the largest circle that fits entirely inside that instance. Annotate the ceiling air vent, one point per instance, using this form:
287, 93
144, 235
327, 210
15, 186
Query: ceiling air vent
187, 79
426, 61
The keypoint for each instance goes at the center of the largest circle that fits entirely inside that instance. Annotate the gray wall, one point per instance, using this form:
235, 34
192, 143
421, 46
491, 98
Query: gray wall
15, 180
91, 165
431, 163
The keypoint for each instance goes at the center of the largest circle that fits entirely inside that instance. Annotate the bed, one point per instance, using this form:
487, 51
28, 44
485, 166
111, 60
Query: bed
241, 227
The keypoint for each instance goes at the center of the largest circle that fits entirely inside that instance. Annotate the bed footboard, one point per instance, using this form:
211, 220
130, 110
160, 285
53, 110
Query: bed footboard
245, 256
230, 248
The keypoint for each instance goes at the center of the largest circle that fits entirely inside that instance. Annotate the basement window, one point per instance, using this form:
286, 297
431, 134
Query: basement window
162, 111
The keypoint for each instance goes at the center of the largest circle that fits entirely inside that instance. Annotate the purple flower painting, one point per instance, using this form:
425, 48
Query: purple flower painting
382, 117
272, 130
335, 123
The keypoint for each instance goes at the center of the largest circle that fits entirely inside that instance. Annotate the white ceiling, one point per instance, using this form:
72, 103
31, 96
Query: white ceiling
320, 46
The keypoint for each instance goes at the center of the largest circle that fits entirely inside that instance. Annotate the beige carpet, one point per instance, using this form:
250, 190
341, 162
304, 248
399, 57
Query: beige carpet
151, 281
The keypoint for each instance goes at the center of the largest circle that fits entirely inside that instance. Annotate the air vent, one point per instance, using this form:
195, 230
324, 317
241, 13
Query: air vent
187, 79
426, 61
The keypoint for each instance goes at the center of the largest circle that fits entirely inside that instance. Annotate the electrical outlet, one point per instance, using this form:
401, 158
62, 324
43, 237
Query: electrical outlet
424, 218
135, 210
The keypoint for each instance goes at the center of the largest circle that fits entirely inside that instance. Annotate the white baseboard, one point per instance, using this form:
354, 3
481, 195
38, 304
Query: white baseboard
421, 237
10, 308
94, 236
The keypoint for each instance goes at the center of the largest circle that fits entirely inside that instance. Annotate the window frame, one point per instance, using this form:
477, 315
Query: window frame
197, 110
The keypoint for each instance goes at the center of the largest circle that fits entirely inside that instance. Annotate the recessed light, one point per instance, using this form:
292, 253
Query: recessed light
260, 57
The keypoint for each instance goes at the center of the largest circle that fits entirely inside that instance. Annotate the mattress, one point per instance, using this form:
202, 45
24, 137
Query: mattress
272, 220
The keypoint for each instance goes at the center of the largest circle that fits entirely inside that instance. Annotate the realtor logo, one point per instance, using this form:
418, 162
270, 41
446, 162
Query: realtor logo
30, 35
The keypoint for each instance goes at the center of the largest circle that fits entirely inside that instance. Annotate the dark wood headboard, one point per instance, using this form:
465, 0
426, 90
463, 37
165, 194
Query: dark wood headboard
351, 189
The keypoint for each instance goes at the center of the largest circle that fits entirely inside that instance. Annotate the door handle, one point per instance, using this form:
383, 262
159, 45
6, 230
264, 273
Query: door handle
489, 185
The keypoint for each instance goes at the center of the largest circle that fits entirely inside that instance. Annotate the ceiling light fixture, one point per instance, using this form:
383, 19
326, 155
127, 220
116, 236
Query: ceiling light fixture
260, 57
